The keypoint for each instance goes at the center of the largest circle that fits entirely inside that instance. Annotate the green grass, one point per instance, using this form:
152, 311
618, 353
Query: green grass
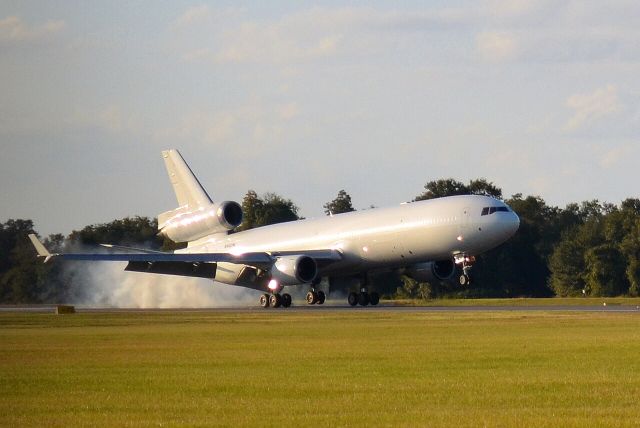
320, 367
552, 301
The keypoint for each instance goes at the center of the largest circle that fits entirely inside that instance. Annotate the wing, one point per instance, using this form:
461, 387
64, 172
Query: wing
137, 255
178, 261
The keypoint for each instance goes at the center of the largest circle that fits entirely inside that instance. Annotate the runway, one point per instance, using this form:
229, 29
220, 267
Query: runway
611, 308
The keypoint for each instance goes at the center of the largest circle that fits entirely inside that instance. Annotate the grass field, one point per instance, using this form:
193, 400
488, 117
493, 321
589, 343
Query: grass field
320, 367
551, 301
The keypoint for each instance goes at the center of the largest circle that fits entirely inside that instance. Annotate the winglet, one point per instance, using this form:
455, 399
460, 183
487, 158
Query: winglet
42, 251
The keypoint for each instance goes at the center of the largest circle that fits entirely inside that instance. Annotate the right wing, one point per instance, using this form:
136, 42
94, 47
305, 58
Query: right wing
254, 259
190, 264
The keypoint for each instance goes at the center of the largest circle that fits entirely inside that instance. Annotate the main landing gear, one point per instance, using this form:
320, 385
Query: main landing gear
275, 300
363, 298
315, 296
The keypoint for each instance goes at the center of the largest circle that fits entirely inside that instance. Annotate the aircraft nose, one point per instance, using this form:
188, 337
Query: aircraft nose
512, 224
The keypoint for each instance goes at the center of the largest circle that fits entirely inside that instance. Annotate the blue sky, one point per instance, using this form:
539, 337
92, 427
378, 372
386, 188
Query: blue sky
377, 98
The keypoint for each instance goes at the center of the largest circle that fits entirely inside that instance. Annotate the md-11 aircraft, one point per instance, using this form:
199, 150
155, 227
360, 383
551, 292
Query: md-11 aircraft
424, 240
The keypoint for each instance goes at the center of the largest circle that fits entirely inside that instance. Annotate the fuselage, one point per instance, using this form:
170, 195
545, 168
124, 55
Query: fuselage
431, 230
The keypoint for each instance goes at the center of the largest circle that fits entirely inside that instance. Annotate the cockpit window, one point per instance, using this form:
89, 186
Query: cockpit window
491, 210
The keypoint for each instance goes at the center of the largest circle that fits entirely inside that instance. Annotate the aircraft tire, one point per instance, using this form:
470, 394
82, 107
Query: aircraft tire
286, 300
374, 298
363, 299
264, 300
275, 300
312, 297
321, 297
464, 279
352, 299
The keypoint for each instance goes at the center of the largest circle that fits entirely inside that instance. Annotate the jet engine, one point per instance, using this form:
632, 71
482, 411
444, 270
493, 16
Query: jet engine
424, 272
292, 270
184, 224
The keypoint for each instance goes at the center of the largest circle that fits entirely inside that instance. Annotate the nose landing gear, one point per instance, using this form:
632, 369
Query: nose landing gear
466, 262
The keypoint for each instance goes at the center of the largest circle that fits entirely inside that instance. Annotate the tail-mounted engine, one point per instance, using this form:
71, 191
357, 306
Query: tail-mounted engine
185, 224
442, 270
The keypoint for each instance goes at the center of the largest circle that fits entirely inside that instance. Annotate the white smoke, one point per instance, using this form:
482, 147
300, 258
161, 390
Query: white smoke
107, 284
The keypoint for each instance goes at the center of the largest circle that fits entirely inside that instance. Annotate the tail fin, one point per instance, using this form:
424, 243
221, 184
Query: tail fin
186, 186
196, 216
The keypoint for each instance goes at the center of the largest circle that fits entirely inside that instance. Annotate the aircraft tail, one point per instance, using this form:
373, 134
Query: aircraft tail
196, 216
186, 186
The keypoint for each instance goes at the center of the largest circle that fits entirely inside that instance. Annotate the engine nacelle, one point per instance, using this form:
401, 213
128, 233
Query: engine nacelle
183, 224
292, 270
441, 270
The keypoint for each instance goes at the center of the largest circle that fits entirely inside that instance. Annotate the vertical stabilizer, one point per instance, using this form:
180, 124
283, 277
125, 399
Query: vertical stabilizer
186, 186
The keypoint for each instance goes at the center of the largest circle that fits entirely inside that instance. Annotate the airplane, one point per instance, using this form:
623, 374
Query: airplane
425, 240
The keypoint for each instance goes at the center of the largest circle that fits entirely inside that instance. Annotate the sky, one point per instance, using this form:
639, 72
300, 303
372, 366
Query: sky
304, 99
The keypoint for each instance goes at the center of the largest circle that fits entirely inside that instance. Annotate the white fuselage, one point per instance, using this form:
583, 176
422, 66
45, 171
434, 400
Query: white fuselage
431, 230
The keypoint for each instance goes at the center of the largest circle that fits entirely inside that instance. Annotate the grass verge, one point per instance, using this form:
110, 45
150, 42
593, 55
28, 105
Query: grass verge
319, 368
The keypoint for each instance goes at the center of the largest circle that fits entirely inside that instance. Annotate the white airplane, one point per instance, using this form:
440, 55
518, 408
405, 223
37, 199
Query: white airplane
424, 240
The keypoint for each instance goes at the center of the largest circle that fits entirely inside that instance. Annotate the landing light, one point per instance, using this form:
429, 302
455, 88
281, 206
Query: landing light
273, 285
460, 238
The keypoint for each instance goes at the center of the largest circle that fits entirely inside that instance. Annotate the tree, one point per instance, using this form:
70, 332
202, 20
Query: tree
269, 209
605, 271
252, 206
441, 188
481, 186
19, 279
126, 231
341, 204
451, 187
276, 209
567, 266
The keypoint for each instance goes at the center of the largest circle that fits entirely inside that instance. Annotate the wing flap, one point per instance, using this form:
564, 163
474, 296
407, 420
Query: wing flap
199, 270
247, 258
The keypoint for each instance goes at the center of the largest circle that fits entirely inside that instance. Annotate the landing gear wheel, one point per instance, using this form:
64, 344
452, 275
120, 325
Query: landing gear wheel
264, 300
286, 300
363, 299
312, 297
374, 298
275, 300
321, 297
352, 299
465, 279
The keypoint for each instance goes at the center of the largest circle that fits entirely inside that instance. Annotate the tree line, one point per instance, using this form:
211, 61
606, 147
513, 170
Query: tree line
590, 248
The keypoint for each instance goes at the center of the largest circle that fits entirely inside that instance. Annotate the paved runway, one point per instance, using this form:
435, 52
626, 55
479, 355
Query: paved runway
337, 307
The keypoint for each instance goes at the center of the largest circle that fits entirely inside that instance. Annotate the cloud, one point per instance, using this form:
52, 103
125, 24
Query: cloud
496, 45
15, 30
288, 111
591, 107
612, 156
308, 35
111, 118
193, 16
